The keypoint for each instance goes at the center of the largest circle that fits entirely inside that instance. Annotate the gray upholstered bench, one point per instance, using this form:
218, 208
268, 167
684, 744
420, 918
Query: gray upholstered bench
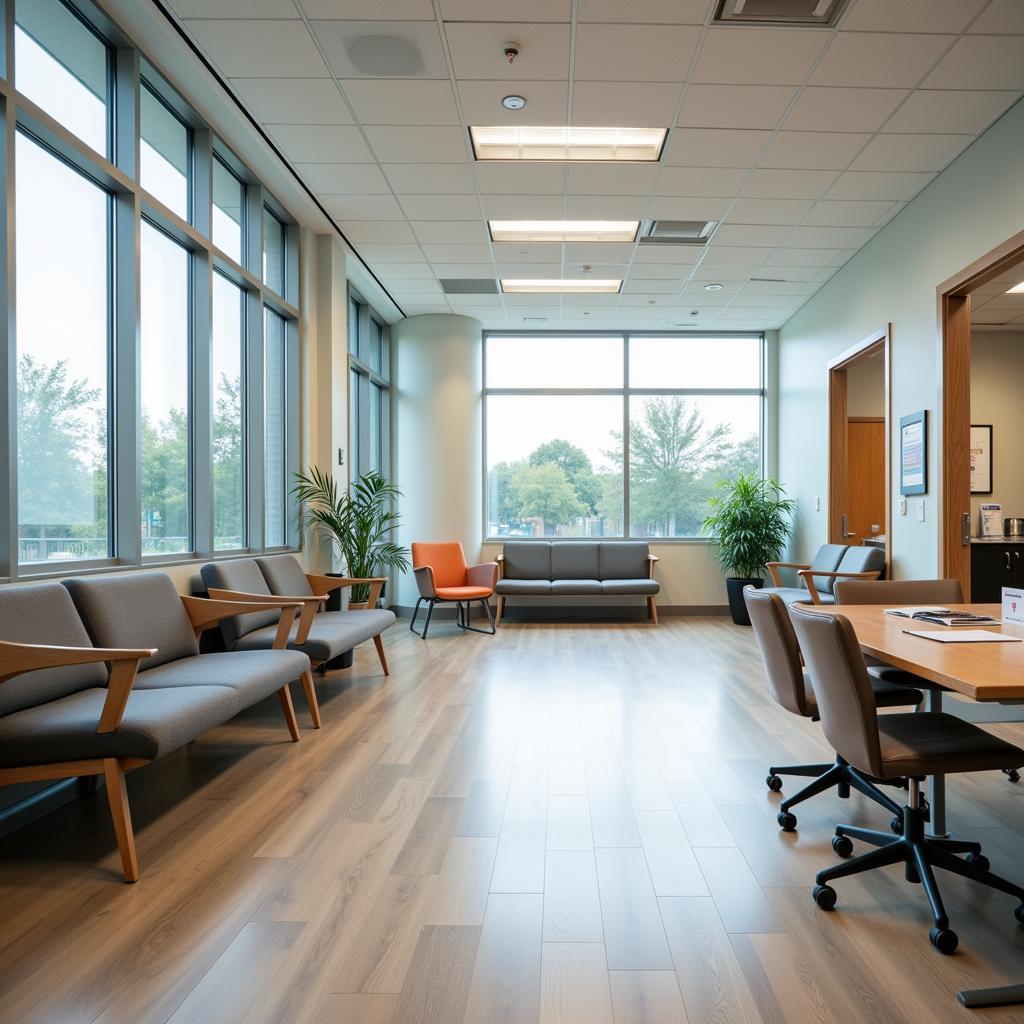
545, 568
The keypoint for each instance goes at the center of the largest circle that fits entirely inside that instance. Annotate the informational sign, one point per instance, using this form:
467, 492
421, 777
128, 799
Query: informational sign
1013, 605
991, 520
914, 454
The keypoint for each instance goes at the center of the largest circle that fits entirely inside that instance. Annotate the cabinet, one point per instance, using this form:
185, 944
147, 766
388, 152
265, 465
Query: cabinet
994, 566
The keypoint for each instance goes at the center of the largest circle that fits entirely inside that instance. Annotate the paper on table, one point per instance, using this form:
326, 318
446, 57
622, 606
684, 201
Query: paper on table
963, 636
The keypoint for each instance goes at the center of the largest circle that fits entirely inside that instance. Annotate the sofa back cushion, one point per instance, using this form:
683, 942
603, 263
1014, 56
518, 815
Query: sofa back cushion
241, 574
624, 560
445, 558
44, 614
528, 560
575, 560
284, 576
863, 558
135, 610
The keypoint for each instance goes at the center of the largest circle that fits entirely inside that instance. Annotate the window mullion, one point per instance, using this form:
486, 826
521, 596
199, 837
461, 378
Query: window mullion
254, 420
9, 365
203, 389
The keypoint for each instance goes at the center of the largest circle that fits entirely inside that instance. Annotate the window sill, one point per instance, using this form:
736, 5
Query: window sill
652, 541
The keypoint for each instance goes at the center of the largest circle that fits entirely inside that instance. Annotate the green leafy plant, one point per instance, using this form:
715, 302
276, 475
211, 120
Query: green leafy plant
358, 522
751, 522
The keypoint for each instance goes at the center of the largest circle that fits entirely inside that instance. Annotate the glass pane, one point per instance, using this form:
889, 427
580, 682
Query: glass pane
353, 326
273, 252
554, 467
228, 436
63, 66
681, 362
165, 394
679, 449
376, 429
228, 211
374, 344
554, 362
274, 430
164, 154
63, 352
354, 440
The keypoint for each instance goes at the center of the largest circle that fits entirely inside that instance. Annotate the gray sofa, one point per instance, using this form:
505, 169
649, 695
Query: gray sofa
64, 713
323, 636
545, 568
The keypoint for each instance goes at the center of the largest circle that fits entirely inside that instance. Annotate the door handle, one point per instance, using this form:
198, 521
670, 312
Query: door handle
845, 530
965, 529
1006, 555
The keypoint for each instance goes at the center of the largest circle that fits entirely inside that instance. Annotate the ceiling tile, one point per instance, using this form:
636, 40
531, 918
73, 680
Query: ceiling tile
321, 144
1001, 17
830, 151
736, 272
408, 272
341, 40
678, 208
827, 238
396, 101
980, 62
700, 181
847, 213
735, 106
524, 207
837, 109
441, 207
660, 12
801, 258
941, 110
667, 271
910, 152
370, 10
463, 252
394, 144
647, 299
463, 269
714, 147
527, 252
259, 49
450, 230
606, 207
620, 103
546, 102
611, 179
234, 9
667, 254
343, 179
878, 185
387, 252
911, 15
784, 184
612, 253
514, 178
634, 53
359, 231
750, 234
695, 288
476, 50
433, 179
733, 55
533, 270
735, 254
498, 10
354, 208
883, 60
293, 100
768, 211
755, 300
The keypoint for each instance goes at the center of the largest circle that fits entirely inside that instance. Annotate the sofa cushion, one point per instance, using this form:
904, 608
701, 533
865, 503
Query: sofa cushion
139, 609
863, 558
827, 559
636, 586
331, 634
243, 575
528, 560
44, 614
624, 560
284, 576
507, 586
253, 675
571, 560
155, 723
575, 586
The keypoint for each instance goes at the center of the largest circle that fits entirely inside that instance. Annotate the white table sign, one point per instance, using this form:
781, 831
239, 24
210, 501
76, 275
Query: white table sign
991, 520
1013, 605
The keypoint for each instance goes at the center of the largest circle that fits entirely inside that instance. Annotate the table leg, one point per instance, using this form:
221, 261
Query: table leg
1004, 995
937, 783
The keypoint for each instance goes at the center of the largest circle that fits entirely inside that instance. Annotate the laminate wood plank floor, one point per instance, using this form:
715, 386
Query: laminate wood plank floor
564, 823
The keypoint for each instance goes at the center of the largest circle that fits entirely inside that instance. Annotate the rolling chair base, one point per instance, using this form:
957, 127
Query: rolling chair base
461, 616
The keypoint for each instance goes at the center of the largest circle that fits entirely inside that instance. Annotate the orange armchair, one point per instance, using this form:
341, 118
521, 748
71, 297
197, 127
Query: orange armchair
443, 577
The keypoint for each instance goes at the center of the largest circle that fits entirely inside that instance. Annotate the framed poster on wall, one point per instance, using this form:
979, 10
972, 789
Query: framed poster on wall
914, 453
981, 458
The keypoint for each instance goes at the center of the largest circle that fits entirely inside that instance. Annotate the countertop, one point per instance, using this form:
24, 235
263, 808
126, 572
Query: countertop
997, 540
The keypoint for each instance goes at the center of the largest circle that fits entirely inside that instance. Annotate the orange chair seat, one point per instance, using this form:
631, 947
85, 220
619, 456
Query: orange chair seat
463, 593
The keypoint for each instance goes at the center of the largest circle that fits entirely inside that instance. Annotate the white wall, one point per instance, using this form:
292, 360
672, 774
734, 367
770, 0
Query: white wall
973, 206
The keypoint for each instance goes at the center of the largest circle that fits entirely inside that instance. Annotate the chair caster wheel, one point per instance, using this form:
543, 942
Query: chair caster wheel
944, 940
774, 783
896, 825
1012, 774
979, 860
787, 821
842, 846
1019, 913
824, 896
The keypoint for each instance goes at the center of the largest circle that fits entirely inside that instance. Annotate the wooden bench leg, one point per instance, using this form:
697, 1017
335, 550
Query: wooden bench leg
652, 610
314, 705
117, 797
284, 695
501, 611
379, 644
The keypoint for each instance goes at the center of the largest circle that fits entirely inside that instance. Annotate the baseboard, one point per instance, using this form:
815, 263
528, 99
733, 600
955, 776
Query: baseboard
573, 613
25, 811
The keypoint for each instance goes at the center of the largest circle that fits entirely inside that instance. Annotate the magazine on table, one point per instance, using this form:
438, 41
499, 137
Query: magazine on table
942, 616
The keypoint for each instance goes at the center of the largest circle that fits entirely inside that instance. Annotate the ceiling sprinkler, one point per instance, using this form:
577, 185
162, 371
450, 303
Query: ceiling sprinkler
511, 51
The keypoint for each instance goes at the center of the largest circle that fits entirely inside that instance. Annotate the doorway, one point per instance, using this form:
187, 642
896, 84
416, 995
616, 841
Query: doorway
859, 445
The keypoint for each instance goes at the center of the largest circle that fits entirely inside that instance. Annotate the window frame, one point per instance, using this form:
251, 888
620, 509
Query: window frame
366, 378
625, 392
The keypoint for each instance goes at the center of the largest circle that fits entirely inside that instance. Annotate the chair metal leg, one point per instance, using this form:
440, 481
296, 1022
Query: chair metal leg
827, 780
811, 771
465, 624
415, 612
426, 625
894, 853
871, 791
867, 835
930, 886
942, 859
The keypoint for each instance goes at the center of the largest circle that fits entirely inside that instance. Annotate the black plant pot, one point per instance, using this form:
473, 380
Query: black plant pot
737, 606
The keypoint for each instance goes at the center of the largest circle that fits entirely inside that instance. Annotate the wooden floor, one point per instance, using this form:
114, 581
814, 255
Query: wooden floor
562, 823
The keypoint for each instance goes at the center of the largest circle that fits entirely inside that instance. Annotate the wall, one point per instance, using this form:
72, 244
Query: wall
973, 206
865, 387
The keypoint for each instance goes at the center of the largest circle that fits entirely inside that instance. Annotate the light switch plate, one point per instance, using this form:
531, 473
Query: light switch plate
817, 504
920, 510
903, 506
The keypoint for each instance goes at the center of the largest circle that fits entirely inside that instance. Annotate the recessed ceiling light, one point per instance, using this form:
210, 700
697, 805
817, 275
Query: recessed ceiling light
513, 102
712, 287
563, 230
1016, 289
514, 142
568, 286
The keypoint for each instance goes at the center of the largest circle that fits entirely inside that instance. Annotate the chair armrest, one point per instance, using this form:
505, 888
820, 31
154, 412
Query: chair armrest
324, 585
483, 575
310, 606
774, 567
808, 574
206, 612
424, 576
651, 559
375, 583
499, 560
124, 664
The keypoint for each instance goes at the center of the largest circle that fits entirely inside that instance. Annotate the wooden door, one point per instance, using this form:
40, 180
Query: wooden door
865, 472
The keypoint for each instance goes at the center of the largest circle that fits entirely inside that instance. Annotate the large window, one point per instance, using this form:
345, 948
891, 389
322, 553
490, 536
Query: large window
617, 435
228, 416
165, 153
369, 395
228, 210
275, 440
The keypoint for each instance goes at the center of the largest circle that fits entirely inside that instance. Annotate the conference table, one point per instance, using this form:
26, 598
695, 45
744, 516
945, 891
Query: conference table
985, 672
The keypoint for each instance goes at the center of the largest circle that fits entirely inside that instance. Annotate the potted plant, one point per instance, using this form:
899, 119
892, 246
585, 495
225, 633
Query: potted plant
358, 522
750, 521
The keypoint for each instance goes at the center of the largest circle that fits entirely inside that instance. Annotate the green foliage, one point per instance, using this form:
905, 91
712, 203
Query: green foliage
358, 523
576, 465
751, 523
544, 492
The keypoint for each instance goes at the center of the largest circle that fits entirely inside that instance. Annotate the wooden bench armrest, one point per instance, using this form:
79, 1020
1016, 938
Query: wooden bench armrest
205, 612
500, 562
807, 575
375, 583
774, 567
651, 559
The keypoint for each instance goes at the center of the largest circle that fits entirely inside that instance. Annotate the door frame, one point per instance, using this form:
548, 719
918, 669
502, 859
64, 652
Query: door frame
954, 402
877, 341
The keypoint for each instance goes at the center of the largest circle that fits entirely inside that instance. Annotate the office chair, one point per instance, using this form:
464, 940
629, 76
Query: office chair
889, 747
790, 688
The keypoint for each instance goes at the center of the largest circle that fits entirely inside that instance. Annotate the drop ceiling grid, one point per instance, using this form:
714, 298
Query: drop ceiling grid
812, 216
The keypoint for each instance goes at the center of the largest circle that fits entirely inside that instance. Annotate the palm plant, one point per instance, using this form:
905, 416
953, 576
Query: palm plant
750, 522
358, 522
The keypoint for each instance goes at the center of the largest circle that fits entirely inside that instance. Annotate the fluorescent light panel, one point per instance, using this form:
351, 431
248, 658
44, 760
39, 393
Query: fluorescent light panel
512, 142
563, 230
1017, 289
560, 286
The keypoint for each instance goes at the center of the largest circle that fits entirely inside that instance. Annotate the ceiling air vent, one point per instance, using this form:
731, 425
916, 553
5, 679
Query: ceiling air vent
535, 319
469, 285
677, 232
814, 13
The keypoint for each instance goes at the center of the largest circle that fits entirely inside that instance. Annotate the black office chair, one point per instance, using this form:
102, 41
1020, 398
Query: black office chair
790, 688
891, 747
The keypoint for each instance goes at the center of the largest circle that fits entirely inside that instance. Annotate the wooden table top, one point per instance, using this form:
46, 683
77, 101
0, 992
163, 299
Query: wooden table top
981, 671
